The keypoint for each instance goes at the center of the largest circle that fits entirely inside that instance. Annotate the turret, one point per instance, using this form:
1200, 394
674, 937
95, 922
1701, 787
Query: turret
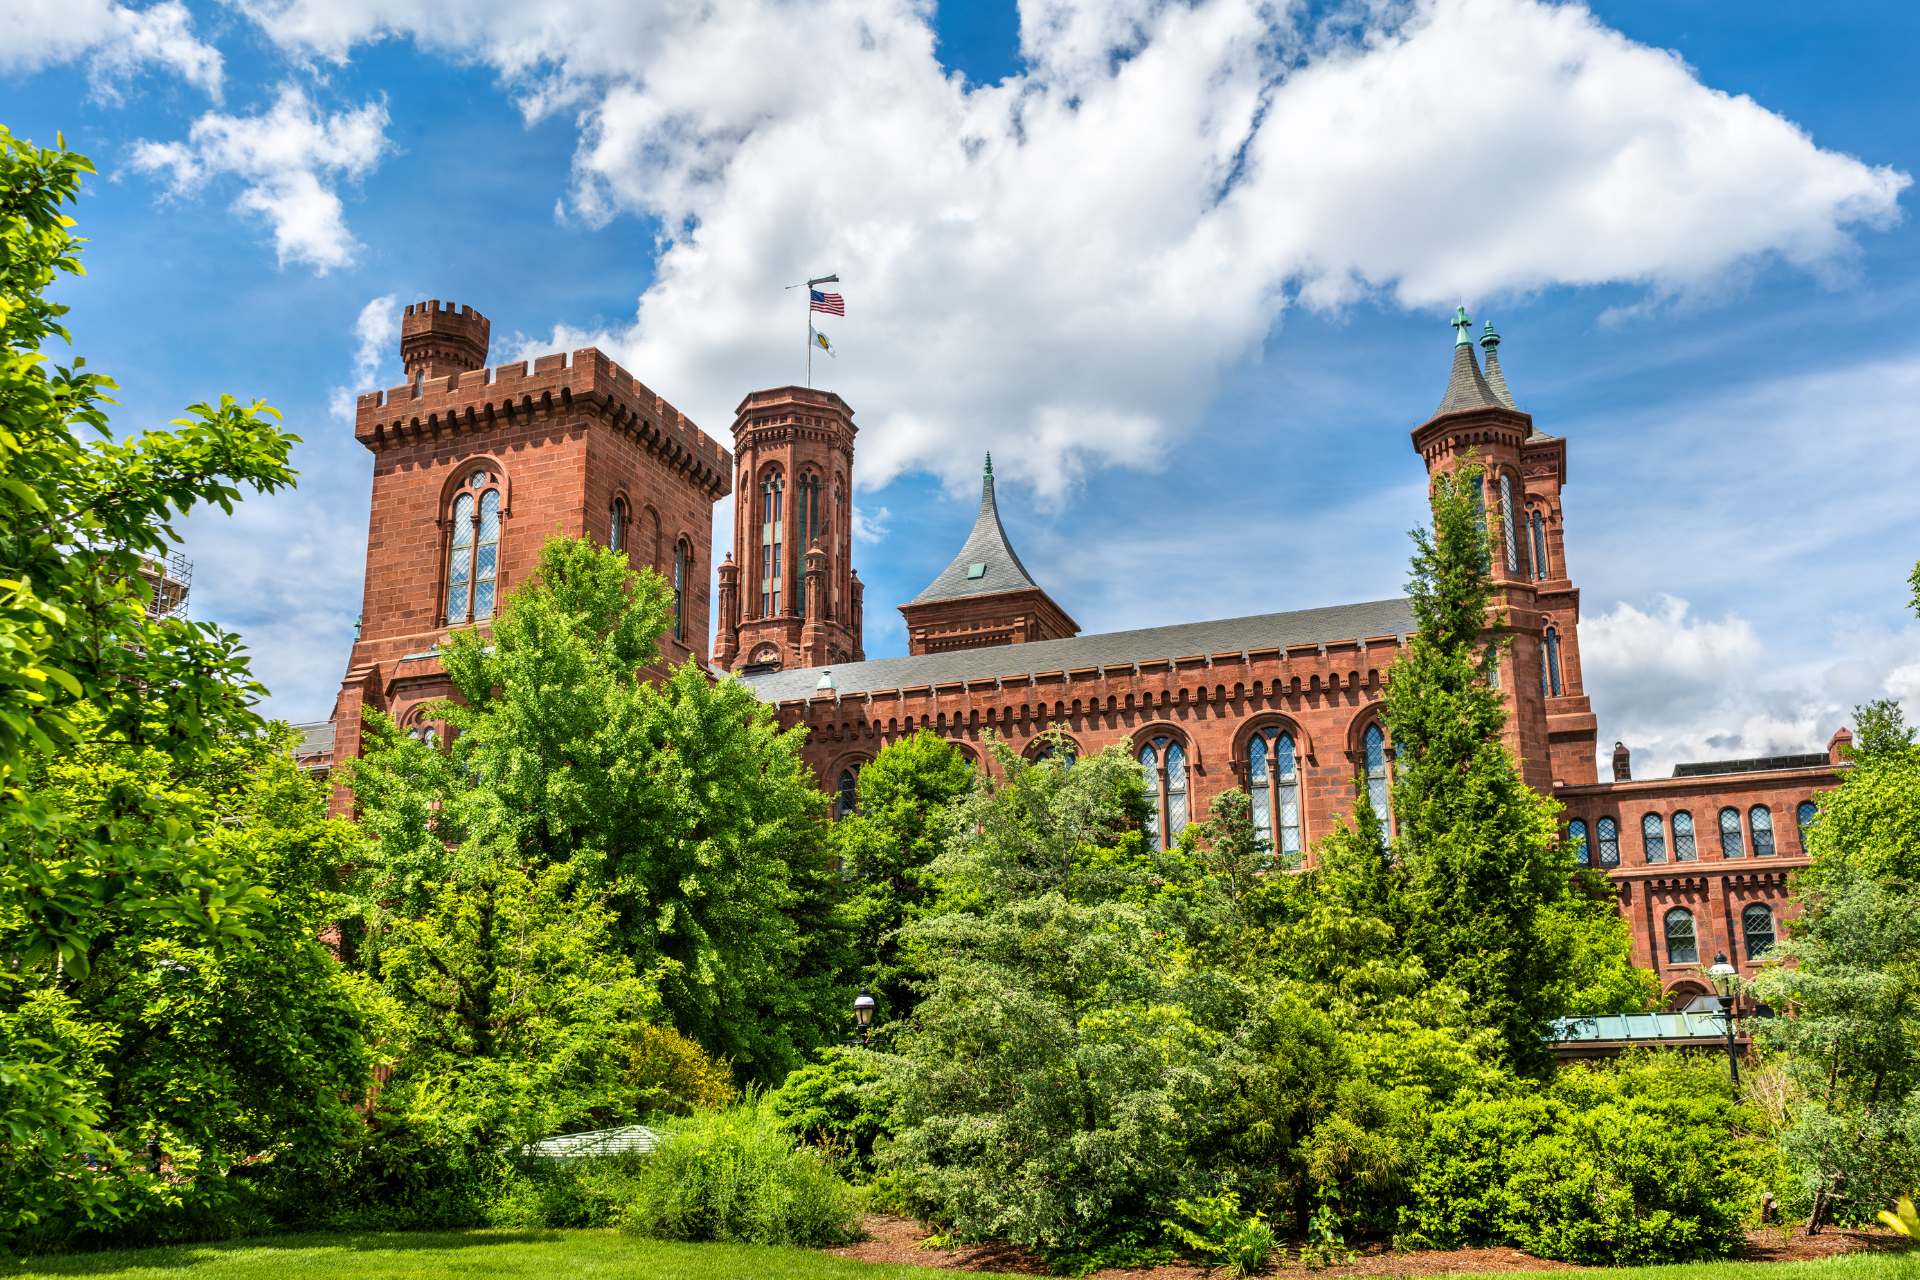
436, 341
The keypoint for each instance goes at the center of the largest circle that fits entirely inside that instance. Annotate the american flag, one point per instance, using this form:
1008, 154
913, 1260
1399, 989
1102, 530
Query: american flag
831, 303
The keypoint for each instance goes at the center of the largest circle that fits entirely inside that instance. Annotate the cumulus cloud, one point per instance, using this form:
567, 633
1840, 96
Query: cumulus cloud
288, 159
378, 329
1061, 266
114, 39
871, 527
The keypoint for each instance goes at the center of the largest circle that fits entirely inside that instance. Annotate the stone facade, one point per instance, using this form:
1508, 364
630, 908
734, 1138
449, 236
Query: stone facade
576, 445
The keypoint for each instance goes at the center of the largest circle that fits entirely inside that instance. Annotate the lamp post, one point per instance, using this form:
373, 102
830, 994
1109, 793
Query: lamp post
863, 1013
1722, 975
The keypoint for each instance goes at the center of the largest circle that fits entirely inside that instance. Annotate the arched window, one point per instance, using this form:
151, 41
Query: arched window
1732, 845
1376, 756
1506, 523
1760, 818
1061, 750
1163, 767
772, 502
1609, 833
1653, 837
473, 558
1577, 837
424, 733
1757, 923
1553, 660
847, 799
807, 522
1273, 780
1681, 948
1803, 817
1539, 546
682, 554
1683, 847
617, 525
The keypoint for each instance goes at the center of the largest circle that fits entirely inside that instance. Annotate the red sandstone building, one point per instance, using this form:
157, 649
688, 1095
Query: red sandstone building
476, 468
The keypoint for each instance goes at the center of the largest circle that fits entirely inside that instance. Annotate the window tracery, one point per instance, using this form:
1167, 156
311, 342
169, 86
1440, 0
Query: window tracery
1273, 783
473, 554
1163, 770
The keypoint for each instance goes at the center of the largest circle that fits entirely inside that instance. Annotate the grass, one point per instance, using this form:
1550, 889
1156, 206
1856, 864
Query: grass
610, 1255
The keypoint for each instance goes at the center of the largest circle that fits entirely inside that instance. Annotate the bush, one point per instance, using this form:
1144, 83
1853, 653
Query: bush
592, 1192
669, 1071
1649, 1162
839, 1104
737, 1175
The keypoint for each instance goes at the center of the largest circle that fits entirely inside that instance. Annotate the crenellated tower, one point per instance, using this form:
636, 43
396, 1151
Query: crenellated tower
437, 341
789, 596
1552, 728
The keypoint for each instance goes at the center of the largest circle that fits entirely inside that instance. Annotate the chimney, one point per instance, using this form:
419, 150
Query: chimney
1622, 763
1840, 746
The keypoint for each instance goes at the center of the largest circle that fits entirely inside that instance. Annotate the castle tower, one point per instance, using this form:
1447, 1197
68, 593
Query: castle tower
474, 469
1552, 729
790, 597
986, 596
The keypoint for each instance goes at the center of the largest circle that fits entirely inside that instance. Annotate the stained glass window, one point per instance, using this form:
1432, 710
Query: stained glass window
1609, 833
1553, 659
1761, 819
1506, 523
1757, 923
1376, 755
460, 560
1577, 837
1653, 836
486, 554
1680, 943
617, 522
1539, 546
1732, 845
1150, 778
1683, 847
1176, 792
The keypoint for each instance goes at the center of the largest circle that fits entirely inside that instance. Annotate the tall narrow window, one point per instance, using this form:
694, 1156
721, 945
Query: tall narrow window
1260, 789
1176, 791
806, 523
1376, 755
1732, 844
1653, 838
1539, 546
1506, 523
1683, 846
1546, 683
1803, 817
1609, 832
1757, 923
617, 525
1553, 660
680, 558
1480, 516
848, 797
772, 495
1761, 819
1681, 948
1150, 778
473, 554
1577, 837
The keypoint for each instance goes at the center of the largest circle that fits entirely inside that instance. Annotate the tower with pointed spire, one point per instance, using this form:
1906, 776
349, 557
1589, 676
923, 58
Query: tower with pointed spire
985, 597
1553, 730
789, 596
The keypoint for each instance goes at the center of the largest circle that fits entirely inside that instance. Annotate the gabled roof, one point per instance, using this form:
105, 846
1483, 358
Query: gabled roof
987, 564
1111, 649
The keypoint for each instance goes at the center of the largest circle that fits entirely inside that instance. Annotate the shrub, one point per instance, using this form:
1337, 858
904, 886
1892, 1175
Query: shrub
837, 1103
737, 1175
669, 1071
592, 1192
1645, 1163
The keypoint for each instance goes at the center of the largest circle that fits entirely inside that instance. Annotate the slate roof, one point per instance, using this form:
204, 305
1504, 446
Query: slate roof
1757, 764
1497, 381
1467, 388
986, 546
1113, 649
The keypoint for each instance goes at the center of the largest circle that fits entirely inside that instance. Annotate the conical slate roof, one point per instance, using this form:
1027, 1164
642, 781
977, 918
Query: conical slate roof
1467, 389
1496, 379
987, 564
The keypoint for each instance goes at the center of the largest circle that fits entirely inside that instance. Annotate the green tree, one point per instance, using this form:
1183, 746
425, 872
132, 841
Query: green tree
1870, 825
887, 845
1489, 898
679, 798
81, 662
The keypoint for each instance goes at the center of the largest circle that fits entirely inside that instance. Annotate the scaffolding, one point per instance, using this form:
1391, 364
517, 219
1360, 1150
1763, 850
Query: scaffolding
171, 580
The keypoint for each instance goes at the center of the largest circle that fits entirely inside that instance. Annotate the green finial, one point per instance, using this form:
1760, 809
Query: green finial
989, 464
1489, 339
1462, 322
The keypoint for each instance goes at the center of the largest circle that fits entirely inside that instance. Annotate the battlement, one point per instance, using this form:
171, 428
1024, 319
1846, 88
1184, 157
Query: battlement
474, 401
436, 340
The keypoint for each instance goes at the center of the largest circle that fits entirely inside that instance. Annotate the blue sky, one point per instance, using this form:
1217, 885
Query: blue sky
1185, 268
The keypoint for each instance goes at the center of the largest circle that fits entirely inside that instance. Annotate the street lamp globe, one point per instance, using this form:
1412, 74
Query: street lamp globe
863, 1009
1722, 975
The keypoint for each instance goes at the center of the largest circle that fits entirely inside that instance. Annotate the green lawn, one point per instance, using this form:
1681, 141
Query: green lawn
551, 1255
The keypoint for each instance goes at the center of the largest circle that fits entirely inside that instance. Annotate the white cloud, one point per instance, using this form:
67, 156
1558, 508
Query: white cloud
288, 159
870, 527
115, 39
1061, 266
378, 329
